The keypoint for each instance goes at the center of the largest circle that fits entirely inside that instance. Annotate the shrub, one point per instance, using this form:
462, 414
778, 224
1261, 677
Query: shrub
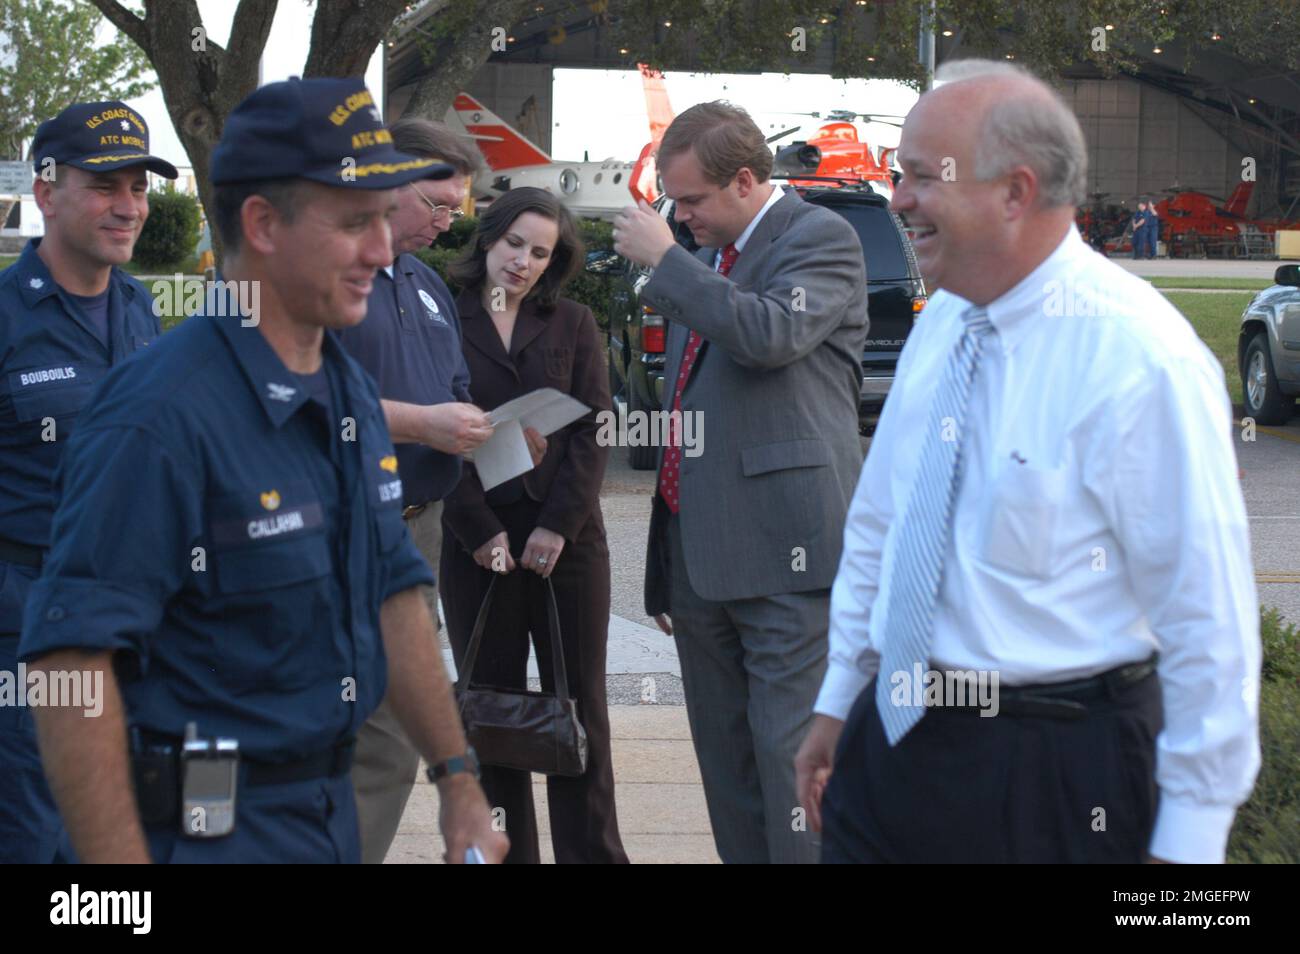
1267, 827
170, 233
594, 291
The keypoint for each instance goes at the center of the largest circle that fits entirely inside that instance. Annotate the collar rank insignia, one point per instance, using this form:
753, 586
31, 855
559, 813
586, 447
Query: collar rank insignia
37, 282
280, 392
271, 500
388, 463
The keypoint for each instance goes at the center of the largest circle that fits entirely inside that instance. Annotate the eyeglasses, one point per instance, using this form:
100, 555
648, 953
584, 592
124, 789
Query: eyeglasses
438, 209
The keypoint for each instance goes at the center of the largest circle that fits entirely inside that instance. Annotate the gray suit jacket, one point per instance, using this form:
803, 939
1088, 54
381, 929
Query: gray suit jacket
776, 387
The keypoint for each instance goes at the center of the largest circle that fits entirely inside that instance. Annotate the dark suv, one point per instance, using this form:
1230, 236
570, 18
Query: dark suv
895, 296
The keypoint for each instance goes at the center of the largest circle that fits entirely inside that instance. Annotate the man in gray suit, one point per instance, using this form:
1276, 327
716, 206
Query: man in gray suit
768, 319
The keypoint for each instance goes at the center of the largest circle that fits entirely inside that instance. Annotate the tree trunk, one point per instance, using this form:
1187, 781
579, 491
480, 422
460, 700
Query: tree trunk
460, 58
201, 82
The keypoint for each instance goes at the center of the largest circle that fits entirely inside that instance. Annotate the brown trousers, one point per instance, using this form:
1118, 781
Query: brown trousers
385, 762
584, 824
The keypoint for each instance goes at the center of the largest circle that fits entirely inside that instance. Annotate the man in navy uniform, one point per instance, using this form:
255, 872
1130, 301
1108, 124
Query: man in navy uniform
1139, 237
1152, 226
231, 554
67, 314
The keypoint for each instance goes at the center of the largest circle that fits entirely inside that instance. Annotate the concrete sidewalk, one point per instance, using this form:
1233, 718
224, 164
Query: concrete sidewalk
660, 798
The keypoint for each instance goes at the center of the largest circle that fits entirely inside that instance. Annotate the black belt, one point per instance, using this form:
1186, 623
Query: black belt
1068, 700
21, 554
329, 763
324, 764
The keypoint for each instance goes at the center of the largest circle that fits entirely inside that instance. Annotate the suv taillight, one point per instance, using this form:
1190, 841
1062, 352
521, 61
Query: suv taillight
917, 304
653, 338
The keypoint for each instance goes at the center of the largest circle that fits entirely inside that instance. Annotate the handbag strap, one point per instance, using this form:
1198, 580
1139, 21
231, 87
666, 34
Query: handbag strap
557, 647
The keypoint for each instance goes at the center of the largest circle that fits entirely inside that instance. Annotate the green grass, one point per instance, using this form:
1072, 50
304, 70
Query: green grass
1221, 284
189, 267
1217, 319
1267, 827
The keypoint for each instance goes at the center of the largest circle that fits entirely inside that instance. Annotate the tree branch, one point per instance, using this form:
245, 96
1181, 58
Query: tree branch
126, 21
344, 35
248, 33
465, 55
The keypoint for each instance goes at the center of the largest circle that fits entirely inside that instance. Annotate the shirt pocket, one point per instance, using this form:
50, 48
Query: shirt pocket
558, 363
38, 393
1020, 528
272, 563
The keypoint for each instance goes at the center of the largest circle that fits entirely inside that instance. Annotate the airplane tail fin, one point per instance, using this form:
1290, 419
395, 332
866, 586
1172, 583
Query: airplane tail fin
1239, 199
502, 146
657, 106
643, 183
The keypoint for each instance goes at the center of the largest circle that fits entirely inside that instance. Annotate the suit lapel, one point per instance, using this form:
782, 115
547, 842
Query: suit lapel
479, 332
678, 334
528, 325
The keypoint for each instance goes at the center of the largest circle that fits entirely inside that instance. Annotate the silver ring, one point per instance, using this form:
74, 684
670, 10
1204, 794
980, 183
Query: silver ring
541, 561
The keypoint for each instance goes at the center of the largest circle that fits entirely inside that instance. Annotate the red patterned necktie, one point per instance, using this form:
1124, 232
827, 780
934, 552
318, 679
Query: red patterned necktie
668, 474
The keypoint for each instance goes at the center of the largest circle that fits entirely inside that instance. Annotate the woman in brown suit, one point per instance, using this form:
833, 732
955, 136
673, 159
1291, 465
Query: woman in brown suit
520, 335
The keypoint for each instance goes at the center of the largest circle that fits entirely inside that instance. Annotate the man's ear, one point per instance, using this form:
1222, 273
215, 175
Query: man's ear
1021, 192
260, 223
745, 181
43, 192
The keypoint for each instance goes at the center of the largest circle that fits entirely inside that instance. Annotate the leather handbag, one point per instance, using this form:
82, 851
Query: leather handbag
519, 728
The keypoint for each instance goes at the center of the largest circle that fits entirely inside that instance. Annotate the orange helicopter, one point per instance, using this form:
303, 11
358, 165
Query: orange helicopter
835, 154
1192, 222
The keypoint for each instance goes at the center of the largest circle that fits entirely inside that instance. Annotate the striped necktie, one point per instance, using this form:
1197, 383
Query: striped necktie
925, 533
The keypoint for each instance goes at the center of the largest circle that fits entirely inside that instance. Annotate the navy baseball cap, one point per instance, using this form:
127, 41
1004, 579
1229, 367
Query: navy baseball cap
324, 129
98, 137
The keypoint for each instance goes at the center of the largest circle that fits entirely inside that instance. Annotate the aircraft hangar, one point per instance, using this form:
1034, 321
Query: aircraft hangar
1173, 124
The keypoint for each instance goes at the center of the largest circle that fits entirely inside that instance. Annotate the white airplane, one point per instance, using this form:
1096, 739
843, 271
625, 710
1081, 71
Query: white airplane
588, 189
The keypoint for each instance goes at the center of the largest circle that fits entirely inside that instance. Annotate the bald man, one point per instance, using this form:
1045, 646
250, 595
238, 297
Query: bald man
1044, 638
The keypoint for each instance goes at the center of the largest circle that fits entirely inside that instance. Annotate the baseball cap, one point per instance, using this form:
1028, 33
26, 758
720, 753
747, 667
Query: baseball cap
325, 129
98, 137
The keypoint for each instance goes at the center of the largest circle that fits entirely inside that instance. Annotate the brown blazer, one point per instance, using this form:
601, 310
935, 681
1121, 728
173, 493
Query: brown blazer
559, 349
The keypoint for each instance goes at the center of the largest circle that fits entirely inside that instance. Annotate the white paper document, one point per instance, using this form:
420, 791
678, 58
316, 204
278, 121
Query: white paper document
504, 455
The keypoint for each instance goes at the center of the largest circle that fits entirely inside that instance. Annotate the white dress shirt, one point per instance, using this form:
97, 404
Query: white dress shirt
1099, 518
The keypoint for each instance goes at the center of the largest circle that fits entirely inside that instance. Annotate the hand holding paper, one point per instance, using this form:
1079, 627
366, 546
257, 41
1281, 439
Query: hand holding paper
505, 455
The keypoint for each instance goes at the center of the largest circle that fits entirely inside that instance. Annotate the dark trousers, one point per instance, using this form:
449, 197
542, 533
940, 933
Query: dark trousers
960, 788
311, 822
308, 822
584, 824
30, 828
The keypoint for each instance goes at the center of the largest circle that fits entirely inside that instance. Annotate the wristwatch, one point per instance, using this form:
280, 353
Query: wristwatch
455, 765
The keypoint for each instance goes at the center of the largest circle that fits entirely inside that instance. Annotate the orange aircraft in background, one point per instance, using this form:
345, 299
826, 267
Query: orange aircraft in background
589, 189
1192, 222
836, 155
